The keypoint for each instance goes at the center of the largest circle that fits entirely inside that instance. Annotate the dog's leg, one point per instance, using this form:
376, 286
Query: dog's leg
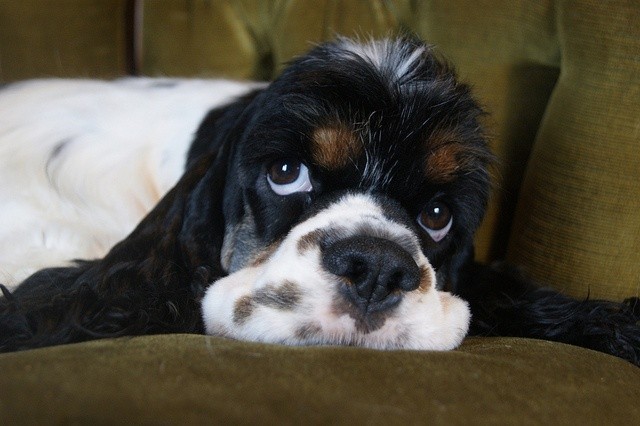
504, 303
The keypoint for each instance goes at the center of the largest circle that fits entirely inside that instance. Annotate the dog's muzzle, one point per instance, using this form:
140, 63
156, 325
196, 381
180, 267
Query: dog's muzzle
347, 275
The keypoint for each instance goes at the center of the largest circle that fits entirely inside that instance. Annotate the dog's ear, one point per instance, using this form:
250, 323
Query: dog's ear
150, 282
222, 126
203, 223
450, 273
183, 235
505, 302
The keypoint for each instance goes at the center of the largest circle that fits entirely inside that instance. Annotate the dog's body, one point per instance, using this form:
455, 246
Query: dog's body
332, 206
81, 163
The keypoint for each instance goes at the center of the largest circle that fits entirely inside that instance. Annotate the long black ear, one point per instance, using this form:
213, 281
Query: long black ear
151, 281
504, 302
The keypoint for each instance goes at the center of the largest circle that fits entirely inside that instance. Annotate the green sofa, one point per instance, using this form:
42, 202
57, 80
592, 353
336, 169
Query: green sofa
561, 81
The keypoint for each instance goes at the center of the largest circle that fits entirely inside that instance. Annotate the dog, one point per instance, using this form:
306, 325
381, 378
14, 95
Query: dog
334, 205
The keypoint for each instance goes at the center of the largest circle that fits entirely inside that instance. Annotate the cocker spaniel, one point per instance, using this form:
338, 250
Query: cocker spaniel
335, 205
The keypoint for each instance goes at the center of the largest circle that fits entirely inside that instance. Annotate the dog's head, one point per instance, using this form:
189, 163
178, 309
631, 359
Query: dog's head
352, 182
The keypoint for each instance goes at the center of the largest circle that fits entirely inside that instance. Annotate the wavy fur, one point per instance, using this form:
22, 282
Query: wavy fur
420, 140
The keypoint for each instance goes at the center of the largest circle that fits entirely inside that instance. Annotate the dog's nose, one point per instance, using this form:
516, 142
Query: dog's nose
376, 269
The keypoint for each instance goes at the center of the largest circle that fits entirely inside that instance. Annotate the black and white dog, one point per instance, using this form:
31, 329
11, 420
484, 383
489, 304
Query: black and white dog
332, 206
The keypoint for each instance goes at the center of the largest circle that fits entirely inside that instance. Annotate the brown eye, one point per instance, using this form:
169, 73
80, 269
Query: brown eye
436, 219
284, 172
288, 176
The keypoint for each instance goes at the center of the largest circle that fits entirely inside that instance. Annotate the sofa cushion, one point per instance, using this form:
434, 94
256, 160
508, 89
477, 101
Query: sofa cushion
62, 39
201, 379
577, 225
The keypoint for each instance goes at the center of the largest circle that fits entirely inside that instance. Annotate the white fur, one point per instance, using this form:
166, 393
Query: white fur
390, 56
425, 319
81, 162
121, 145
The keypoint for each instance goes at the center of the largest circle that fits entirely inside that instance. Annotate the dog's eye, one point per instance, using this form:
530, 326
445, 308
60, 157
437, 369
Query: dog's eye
436, 219
288, 176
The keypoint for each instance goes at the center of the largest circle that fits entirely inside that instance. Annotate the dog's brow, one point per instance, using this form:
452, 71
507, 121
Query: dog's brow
447, 155
334, 145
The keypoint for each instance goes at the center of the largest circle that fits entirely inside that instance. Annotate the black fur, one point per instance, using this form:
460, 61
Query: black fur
149, 283
505, 303
153, 280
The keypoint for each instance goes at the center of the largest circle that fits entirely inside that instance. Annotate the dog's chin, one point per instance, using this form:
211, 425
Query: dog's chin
288, 297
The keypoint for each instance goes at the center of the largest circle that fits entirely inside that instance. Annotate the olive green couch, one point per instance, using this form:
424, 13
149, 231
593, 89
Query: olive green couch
561, 81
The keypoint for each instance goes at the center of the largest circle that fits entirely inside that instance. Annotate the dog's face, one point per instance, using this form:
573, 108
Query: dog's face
356, 176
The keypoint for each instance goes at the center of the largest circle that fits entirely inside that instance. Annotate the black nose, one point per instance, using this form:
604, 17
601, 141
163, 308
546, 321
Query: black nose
376, 269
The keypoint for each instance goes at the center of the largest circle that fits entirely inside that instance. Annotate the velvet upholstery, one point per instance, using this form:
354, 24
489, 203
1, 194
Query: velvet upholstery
577, 225
581, 185
65, 38
188, 379
561, 81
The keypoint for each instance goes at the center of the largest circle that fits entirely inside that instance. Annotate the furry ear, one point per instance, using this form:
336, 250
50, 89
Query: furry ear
150, 282
506, 303
449, 272
201, 235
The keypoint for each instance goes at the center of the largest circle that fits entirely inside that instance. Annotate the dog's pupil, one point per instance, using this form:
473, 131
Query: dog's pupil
436, 216
284, 172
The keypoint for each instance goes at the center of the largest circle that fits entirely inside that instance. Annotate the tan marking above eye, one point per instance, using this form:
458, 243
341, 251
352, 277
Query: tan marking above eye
332, 146
443, 155
448, 156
